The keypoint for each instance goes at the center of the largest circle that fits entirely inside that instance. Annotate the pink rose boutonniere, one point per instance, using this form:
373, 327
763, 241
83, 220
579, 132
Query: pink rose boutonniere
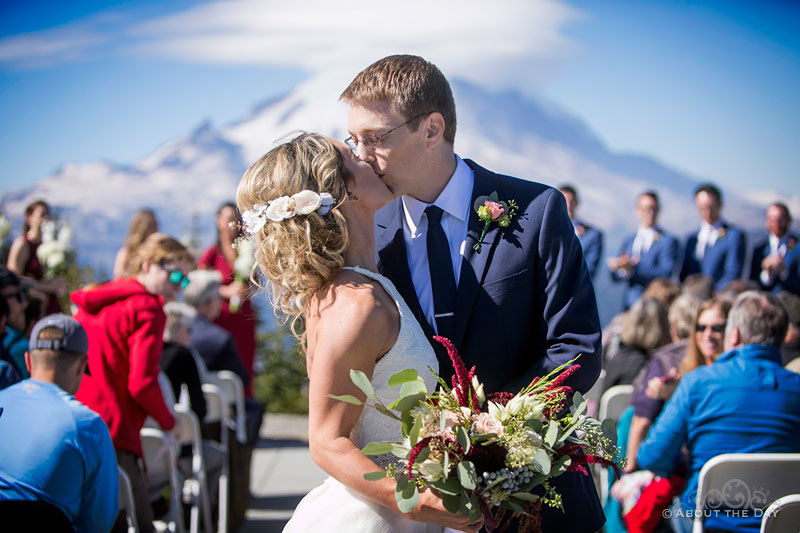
656, 236
721, 232
489, 210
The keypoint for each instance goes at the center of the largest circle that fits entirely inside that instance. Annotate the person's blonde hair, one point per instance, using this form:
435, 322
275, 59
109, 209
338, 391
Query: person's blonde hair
300, 254
411, 84
645, 326
138, 231
694, 357
159, 248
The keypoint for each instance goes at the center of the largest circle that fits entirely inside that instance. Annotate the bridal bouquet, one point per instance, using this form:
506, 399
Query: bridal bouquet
482, 452
54, 251
242, 267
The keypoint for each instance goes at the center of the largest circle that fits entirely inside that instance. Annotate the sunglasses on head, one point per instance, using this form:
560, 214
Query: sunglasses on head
715, 328
176, 277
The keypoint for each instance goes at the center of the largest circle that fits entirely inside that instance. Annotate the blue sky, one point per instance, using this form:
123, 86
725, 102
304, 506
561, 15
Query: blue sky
708, 87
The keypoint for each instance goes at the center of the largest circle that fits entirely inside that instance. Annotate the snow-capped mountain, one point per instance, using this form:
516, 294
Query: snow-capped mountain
186, 179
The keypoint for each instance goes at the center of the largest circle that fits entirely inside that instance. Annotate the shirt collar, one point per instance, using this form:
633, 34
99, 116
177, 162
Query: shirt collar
454, 198
754, 351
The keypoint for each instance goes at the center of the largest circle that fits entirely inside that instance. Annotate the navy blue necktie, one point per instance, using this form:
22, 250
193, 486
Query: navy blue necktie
443, 281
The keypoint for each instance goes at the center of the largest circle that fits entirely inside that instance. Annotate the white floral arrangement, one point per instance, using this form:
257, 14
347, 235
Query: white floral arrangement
54, 249
303, 203
242, 267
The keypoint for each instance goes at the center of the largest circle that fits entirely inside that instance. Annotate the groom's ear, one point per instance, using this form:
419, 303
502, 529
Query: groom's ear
434, 129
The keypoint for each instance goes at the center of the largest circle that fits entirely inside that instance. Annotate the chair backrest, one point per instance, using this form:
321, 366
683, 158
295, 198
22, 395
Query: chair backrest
126, 502
614, 401
33, 515
782, 516
593, 395
749, 481
160, 457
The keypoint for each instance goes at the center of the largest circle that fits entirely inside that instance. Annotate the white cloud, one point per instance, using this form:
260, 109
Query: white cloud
507, 43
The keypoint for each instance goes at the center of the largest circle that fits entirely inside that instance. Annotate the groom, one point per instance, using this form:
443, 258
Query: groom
517, 308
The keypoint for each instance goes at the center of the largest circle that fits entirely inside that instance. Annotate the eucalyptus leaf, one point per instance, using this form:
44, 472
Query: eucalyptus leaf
449, 486
552, 433
423, 454
560, 465
407, 502
475, 512
463, 439
542, 461
347, 398
375, 476
451, 503
400, 451
527, 496
413, 387
377, 448
609, 429
535, 425
407, 403
577, 398
513, 505
361, 381
413, 434
535, 481
409, 374
467, 475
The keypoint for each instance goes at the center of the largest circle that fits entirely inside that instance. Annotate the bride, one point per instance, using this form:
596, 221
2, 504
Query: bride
315, 245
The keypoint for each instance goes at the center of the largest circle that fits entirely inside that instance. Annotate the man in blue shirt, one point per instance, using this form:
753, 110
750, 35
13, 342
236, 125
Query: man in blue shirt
55, 449
745, 402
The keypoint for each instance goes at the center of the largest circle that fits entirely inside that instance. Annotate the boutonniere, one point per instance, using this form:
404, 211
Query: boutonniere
656, 235
490, 209
721, 232
580, 229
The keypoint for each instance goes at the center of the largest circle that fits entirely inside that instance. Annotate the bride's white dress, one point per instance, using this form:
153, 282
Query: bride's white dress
332, 506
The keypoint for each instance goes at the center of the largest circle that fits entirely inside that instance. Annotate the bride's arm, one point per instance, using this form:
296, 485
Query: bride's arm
350, 332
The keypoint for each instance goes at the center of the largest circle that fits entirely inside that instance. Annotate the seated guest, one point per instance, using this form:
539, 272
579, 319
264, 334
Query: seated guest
698, 285
645, 328
732, 290
776, 261
745, 402
124, 319
682, 315
177, 361
55, 449
591, 239
15, 343
8, 376
215, 345
718, 248
648, 254
791, 344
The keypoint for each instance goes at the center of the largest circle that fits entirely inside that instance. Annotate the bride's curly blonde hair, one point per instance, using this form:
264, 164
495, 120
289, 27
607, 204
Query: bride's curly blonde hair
300, 254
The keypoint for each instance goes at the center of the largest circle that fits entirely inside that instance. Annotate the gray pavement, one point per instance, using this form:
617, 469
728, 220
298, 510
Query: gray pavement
282, 473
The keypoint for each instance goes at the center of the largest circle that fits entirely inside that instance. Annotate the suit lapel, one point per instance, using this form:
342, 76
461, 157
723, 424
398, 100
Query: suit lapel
473, 265
393, 261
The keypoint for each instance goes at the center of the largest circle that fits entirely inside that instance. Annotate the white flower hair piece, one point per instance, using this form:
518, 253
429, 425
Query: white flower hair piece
303, 203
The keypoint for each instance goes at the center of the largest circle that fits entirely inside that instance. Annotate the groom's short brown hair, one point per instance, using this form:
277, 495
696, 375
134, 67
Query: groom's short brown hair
413, 85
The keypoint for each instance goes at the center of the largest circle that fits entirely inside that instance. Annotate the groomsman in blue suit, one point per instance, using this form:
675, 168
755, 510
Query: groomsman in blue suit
591, 238
648, 254
776, 261
718, 248
516, 299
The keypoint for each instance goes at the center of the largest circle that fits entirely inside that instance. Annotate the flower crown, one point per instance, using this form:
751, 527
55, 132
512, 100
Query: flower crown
303, 203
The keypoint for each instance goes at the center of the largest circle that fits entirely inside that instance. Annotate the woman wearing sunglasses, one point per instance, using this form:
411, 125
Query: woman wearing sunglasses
124, 320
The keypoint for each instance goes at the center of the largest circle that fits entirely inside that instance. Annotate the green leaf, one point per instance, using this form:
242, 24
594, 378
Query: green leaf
513, 505
552, 433
409, 374
527, 496
475, 512
535, 425
413, 387
407, 422
423, 454
375, 476
560, 465
361, 381
413, 434
535, 481
407, 403
407, 500
400, 451
609, 430
542, 461
467, 475
463, 439
449, 486
346, 398
377, 448
451, 503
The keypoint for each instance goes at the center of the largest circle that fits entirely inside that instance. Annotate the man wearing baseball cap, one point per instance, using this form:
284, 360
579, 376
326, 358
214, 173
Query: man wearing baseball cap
55, 449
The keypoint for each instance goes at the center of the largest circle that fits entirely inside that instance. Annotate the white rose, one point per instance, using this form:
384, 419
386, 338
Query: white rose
64, 237
306, 202
431, 470
55, 259
254, 219
281, 209
486, 423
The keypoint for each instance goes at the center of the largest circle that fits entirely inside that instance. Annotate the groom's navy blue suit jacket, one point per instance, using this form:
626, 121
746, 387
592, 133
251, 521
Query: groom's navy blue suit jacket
525, 305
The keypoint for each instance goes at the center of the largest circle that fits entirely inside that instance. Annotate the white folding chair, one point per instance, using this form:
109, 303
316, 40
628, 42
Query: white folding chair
217, 412
594, 394
745, 481
162, 471
613, 403
126, 503
232, 389
782, 516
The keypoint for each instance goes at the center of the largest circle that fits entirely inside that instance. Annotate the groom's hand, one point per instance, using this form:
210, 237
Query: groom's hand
431, 511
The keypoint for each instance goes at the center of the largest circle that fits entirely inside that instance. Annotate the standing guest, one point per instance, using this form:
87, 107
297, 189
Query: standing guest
591, 238
236, 315
15, 343
645, 328
648, 254
721, 408
55, 449
718, 248
143, 224
791, 344
776, 261
125, 322
177, 361
518, 301
22, 259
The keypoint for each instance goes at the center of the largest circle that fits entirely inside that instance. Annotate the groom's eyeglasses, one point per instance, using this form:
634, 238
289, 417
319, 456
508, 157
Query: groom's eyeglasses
374, 140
